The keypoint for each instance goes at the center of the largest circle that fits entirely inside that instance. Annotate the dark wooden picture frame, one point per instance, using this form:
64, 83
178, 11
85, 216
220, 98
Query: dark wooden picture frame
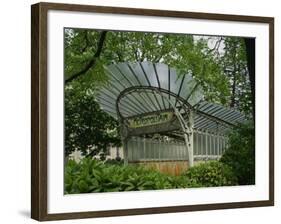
39, 109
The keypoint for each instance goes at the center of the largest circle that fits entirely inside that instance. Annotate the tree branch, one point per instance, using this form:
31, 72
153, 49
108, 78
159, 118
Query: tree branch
216, 46
92, 62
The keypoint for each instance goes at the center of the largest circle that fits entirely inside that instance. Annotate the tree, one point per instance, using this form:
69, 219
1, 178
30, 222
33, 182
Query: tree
234, 65
240, 154
87, 127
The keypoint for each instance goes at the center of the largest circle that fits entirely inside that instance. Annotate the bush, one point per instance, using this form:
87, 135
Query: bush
211, 174
95, 176
117, 161
240, 154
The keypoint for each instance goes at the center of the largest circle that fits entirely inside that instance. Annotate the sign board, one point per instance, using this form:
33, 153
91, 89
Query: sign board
150, 120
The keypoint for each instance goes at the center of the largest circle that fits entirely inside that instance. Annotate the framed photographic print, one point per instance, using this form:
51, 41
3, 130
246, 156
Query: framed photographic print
138, 111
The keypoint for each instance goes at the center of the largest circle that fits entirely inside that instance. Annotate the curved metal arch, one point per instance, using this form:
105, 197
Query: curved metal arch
147, 88
178, 99
185, 126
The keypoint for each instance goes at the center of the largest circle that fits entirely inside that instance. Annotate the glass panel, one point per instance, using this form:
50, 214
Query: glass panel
130, 146
135, 108
220, 152
154, 99
175, 81
149, 100
209, 145
195, 143
214, 144
137, 68
115, 72
141, 101
150, 73
187, 86
126, 112
196, 96
126, 72
131, 104
163, 75
172, 100
161, 101
110, 95
166, 100
109, 98
203, 144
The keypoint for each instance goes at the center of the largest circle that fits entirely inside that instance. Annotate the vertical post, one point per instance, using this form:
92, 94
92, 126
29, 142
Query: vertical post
206, 144
144, 150
125, 150
209, 145
199, 149
214, 145
200, 144
223, 149
195, 143
221, 139
189, 139
125, 138
159, 157
117, 152
217, 146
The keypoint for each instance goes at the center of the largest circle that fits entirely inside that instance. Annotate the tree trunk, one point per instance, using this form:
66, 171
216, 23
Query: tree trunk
251, 52
233, 90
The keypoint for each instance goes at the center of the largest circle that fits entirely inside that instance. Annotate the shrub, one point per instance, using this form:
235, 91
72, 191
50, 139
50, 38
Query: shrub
240, 154
95, 176
211, 174
117, 161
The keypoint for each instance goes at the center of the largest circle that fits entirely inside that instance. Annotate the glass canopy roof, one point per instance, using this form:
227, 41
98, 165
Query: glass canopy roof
136, 89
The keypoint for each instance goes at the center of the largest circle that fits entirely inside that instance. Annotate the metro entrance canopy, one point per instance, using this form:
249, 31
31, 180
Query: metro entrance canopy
149, 98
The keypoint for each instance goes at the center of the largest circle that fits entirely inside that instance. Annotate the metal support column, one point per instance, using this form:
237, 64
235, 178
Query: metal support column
125, 138
190, 142
125, 151
187, 128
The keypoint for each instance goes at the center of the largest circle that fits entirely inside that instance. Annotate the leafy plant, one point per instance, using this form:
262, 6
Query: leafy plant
240, 154
95, 176
211, 174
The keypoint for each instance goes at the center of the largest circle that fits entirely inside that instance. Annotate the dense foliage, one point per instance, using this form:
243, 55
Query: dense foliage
234, 65
240, 154
87, 128
95, 176
211, 174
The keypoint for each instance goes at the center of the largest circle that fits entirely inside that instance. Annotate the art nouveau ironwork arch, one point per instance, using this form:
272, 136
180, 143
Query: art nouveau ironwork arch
145, 90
